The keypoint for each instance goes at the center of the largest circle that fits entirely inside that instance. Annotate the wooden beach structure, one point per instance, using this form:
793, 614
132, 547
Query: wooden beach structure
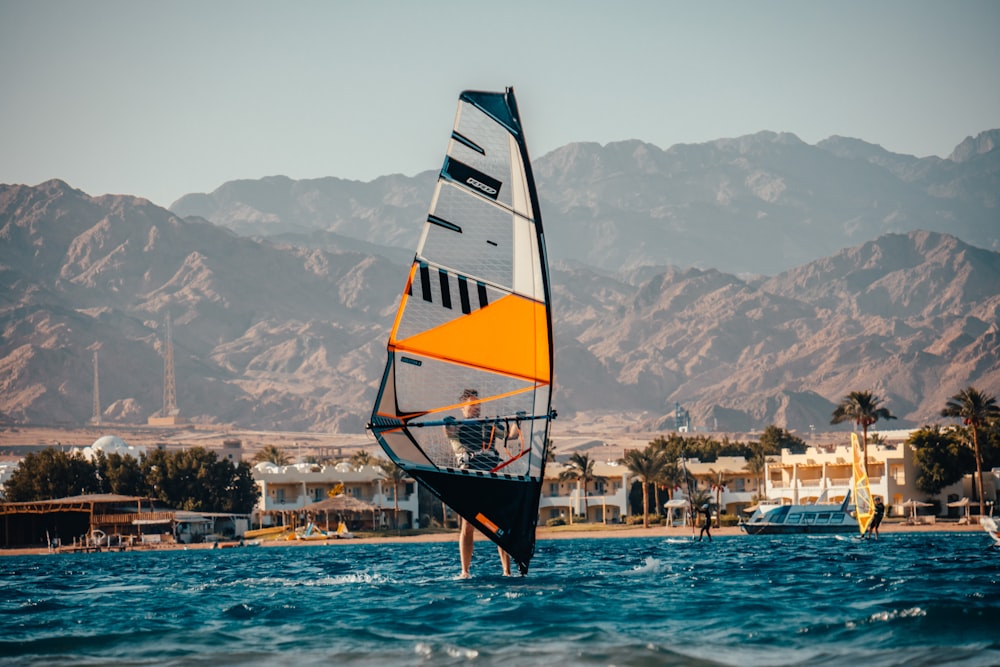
94, 522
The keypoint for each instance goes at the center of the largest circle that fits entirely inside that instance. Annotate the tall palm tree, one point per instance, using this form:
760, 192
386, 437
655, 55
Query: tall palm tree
579, 467
975, 409
757, 465
394, 475
271, 454
718, 485
862, 408
645, 464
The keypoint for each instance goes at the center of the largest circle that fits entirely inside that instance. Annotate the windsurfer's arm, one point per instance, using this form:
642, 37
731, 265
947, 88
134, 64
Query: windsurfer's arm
451, 431
515, 431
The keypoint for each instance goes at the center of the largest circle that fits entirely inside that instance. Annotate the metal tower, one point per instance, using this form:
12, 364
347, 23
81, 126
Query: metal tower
96, 418
169, 387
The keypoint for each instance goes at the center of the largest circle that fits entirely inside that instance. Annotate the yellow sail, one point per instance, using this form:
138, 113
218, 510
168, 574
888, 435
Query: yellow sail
864, 509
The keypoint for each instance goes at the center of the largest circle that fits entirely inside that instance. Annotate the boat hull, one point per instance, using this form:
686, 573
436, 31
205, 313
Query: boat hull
811, 519
782, 529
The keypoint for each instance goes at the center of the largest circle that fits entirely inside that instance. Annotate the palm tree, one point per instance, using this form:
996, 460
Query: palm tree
394, 475
975, 409
862, 408
646, 465
579, 467
718, 485
362, 458
672, 476
757, 465
271, 454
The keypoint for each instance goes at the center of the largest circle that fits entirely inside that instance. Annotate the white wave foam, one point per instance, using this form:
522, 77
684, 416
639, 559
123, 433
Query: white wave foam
650, 566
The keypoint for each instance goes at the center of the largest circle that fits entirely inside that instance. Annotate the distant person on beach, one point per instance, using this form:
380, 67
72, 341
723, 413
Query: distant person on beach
877, 518
473, 444
706, 529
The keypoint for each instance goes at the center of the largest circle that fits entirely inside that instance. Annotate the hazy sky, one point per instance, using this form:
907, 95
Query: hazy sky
159, 99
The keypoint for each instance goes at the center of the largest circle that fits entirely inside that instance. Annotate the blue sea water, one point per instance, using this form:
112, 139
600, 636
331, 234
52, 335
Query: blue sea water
908, 599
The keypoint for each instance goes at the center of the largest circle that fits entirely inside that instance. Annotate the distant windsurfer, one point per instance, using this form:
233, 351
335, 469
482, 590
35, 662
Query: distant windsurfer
876, 518
473, 444
707, 528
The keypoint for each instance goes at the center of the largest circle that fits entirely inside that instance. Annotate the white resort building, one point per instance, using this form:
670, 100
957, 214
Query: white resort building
824, 474
821, 473
604, 500
290, 488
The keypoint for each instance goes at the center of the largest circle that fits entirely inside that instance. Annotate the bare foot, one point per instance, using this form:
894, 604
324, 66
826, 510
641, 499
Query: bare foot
465, 575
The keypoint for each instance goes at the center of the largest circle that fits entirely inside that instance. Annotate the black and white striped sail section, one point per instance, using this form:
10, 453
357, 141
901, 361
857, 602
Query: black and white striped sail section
474, 320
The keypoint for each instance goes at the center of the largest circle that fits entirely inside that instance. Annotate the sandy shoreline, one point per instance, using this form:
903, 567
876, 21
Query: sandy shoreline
568, 533
543, 534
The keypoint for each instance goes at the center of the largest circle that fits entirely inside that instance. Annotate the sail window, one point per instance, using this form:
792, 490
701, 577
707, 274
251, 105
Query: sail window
445, 288
483, 299
468, 143
463, 294
441, 222
425, 282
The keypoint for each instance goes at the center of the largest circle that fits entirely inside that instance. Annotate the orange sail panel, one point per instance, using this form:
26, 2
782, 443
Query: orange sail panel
508, 336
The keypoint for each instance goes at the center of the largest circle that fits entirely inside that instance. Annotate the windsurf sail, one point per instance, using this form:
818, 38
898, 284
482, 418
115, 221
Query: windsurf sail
465, 402
863, 505
989, 524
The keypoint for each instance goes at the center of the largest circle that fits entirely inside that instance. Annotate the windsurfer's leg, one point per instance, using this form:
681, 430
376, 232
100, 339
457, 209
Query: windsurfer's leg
504, 561
465, 547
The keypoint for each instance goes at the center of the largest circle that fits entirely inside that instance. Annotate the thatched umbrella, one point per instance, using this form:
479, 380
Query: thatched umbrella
341, 503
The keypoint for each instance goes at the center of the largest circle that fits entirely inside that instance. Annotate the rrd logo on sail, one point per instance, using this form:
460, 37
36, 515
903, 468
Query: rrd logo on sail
482, 186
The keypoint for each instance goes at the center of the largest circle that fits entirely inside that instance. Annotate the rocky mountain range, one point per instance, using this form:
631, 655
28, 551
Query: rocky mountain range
758, 204
274, 334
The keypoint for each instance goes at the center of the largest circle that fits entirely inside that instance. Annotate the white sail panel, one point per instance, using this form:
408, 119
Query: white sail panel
483, 248
527, 269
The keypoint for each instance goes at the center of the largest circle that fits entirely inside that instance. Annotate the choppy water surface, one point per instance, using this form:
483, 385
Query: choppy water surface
909, 599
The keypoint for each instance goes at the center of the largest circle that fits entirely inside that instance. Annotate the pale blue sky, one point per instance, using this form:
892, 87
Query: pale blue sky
159, 99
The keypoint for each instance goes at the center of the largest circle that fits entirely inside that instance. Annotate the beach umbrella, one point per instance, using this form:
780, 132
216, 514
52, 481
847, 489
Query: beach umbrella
964, 502
912, 505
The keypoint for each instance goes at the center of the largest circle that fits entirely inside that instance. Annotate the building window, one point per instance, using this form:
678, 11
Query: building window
280, 496
898, 474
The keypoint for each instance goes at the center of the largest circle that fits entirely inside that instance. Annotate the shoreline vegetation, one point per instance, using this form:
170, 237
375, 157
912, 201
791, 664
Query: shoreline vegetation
580, 531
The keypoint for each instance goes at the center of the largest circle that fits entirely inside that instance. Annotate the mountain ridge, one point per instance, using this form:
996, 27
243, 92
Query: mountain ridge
776, 200
283, 337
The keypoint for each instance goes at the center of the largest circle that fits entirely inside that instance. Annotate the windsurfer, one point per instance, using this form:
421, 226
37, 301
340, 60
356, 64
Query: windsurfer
473, 444
877, 518
707, 528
